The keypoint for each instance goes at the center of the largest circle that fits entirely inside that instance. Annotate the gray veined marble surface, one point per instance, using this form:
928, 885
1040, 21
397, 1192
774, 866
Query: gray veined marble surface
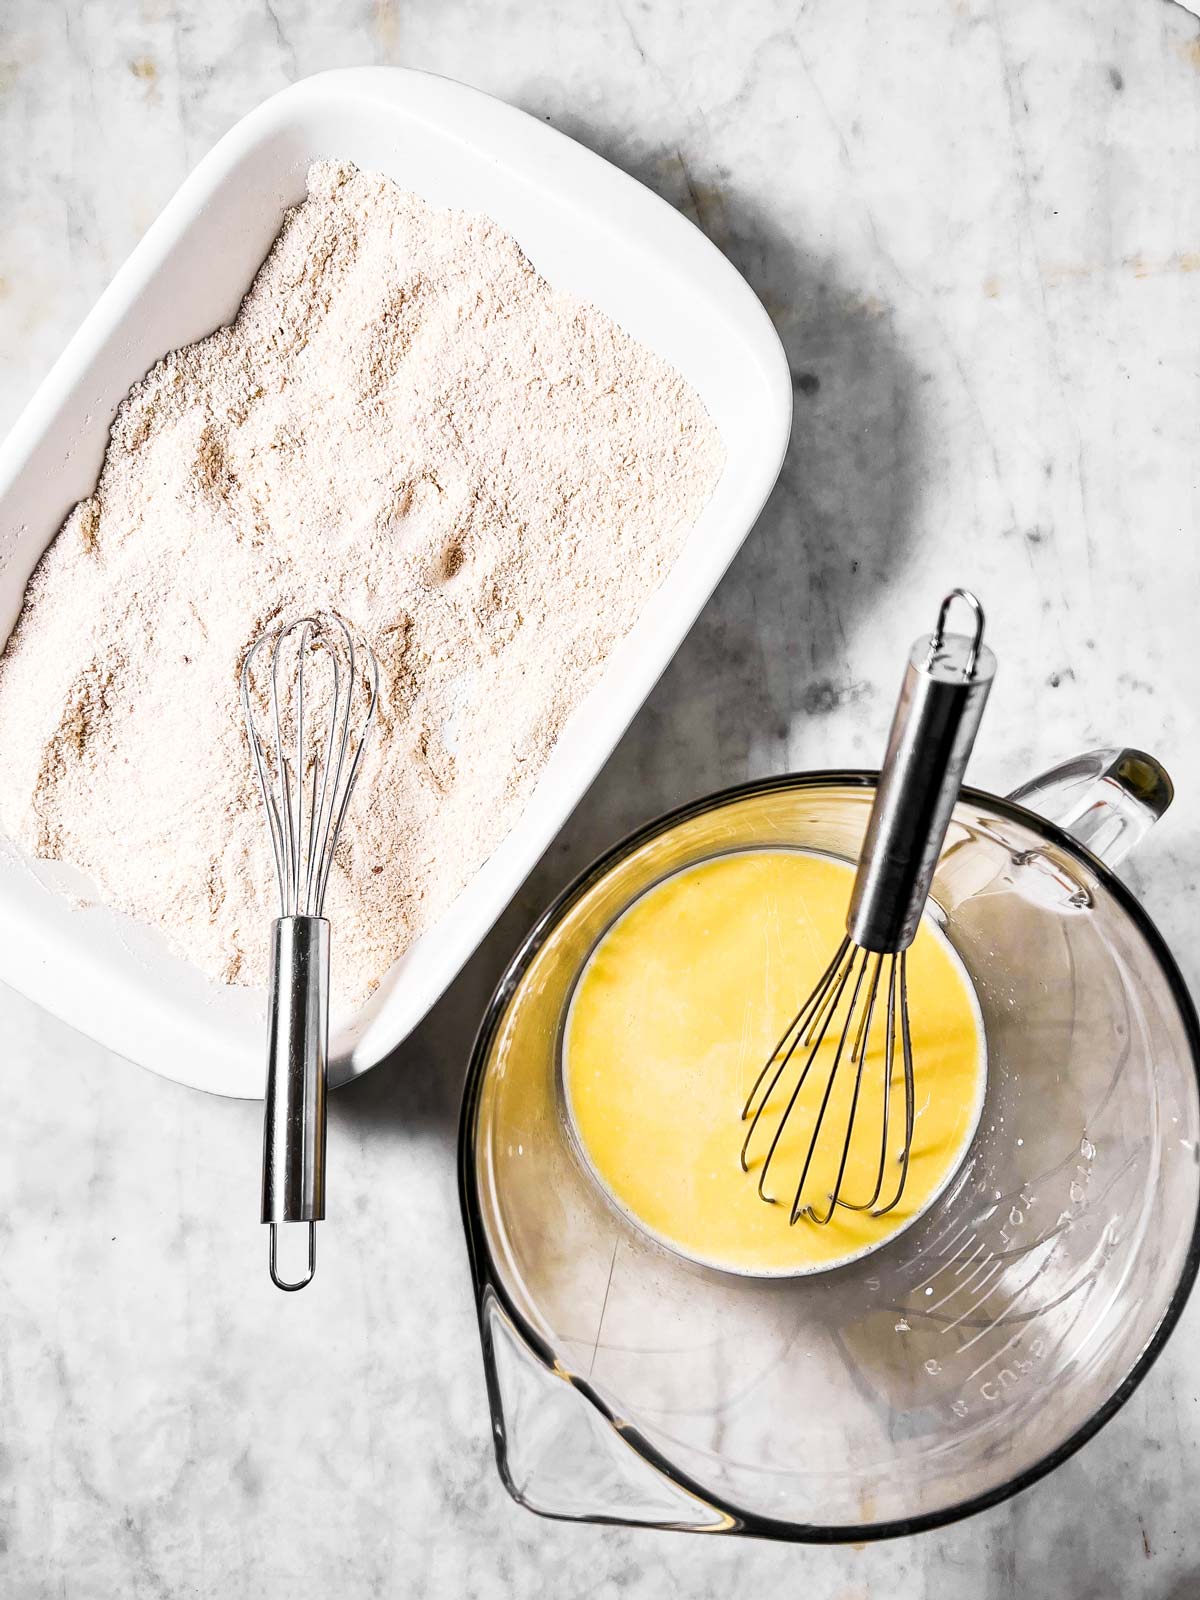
977, 226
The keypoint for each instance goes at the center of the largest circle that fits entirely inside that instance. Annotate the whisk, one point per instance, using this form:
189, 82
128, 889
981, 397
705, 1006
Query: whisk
306, 766
937, 716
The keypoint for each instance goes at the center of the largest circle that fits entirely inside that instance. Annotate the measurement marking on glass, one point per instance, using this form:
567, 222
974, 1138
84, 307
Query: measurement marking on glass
962, 1228
1003, 1351
974, 1253
984, 1266
992, 1326
950, 1293
971, 1310
970, 1282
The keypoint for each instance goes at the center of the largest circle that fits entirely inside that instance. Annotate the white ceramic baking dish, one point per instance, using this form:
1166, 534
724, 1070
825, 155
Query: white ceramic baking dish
587, 227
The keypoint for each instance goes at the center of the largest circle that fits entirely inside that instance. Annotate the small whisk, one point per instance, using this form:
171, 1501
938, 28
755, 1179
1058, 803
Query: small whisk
941, 703
306, 765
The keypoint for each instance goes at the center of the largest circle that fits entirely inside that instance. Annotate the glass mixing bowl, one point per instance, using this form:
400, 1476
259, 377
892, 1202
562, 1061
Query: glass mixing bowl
969, 1355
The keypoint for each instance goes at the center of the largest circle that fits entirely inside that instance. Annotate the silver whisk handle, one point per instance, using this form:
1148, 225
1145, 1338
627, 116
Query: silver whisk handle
293, 1187
941, 702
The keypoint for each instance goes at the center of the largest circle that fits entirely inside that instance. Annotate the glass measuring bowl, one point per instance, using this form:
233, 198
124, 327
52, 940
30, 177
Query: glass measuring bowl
965, 1358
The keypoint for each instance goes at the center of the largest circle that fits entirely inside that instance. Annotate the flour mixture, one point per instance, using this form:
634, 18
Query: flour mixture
404, 424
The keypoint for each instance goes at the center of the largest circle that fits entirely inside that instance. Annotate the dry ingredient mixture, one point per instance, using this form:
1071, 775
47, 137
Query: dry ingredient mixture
404, 424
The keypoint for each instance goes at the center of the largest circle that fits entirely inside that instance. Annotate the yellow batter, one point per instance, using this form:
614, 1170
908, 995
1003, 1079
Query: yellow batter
673, 1016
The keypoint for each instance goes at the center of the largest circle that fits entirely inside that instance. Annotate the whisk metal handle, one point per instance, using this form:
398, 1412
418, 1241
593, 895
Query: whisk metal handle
941, 703
293, 1186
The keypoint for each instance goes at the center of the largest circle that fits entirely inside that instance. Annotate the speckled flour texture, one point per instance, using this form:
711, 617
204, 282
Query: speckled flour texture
406, 425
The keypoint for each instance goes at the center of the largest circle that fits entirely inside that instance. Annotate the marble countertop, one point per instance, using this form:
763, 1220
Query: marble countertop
976, 224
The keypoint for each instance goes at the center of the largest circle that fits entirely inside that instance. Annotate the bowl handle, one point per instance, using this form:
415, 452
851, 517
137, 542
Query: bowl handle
1107, 799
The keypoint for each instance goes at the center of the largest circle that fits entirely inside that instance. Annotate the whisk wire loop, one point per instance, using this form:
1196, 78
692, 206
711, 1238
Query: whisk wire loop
888, 1059
826, 1012
305, 828
337, 820
854, 976
274, 823
909, 1097
797, 1024
798, 1206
